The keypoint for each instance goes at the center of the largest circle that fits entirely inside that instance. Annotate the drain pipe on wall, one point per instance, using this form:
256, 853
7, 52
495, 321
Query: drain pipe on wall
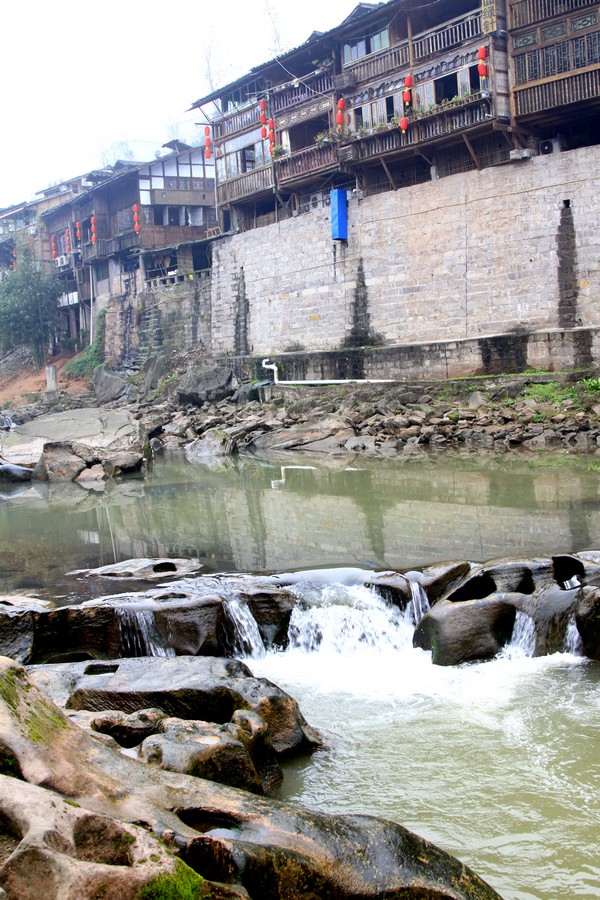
266, 364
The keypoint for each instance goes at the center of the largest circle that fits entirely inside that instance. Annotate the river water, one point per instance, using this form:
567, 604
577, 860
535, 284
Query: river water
498, 763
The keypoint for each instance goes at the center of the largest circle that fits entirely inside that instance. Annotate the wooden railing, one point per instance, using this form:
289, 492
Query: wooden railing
307, 161
438, 123
527, 12
99, 250
254, 182
306, 89
561, 92
429, 43
452, 34
373, 66
237, 121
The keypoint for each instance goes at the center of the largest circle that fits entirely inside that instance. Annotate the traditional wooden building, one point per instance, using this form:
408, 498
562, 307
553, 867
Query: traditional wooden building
555, 71
134, 227
399, 93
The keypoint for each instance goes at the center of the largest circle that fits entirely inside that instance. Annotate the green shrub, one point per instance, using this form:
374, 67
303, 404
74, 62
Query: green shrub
93, 356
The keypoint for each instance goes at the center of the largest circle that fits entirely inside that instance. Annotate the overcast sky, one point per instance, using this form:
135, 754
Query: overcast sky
85, 79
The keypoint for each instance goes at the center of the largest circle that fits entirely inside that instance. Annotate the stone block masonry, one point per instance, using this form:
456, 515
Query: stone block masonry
507, 249
472, 273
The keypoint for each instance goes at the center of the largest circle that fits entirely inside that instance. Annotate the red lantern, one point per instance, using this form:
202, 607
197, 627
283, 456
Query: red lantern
93, 229
207, 143
207, 154
271, 124
403, 124
482, 69
93, 239
271, 137
263, 132
406, 98
408, 82
341, 104
339, 119
136, 218
482, 53
262, 105
93, 220
135, 207
207, 130
136, 227
263, 118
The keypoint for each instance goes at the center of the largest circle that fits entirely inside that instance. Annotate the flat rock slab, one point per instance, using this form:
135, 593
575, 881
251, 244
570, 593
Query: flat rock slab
207, 688
94, 434
145, 569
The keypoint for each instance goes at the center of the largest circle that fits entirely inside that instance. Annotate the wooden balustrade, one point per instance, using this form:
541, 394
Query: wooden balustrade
237, 121
452, 34
559, 92
254, 182
528, 12
396, 57
306, 89
306, 161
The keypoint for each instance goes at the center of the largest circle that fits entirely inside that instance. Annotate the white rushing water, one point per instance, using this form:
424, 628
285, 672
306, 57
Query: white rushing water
496, 762
138, 633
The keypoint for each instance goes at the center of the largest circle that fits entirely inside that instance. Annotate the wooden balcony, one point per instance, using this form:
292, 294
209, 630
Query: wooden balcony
528, 12
237, 121
453, 119
572, 88
258, 181
99, 250
452, 34
307, 89
307, 162
430, 43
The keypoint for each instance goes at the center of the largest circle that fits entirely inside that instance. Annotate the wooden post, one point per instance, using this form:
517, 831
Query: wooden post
411, 51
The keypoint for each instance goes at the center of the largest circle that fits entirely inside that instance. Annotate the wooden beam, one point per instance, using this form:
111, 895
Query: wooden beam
472, 152
411, 51
389, 174
426, 158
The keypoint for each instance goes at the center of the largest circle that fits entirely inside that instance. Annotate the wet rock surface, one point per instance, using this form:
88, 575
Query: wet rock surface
269, 850
59, 446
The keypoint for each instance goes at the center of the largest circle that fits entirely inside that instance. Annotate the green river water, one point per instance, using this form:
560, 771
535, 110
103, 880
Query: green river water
499, 763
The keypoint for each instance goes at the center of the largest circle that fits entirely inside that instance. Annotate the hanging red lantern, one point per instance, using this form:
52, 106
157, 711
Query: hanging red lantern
135, 207
136, 227
341, 104
207, 153
482, 69
54, 254
93, 229
403, 124
207, 130
207, 143
262, 105
136, 217
406, 97
408, 82
93, 239
263, 132
339, 119
263, 118
482, 53
271, 124
93, 220
271, 137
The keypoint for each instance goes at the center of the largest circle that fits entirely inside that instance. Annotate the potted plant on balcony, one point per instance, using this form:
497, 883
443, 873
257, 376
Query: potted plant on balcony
279, 151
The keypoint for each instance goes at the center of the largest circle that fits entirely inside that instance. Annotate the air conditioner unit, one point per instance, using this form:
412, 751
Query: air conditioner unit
551, 145
61, 261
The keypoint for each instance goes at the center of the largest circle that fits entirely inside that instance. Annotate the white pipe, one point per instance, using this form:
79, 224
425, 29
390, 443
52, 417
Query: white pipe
269, 365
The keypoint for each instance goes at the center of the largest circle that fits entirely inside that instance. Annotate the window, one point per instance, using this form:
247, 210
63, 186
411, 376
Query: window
171, 184
370, 43
555, 59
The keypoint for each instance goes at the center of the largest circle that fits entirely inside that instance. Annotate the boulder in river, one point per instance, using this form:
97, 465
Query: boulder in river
273, 850
110, 437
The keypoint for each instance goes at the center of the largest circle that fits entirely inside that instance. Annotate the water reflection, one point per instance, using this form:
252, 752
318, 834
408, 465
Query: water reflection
285, 513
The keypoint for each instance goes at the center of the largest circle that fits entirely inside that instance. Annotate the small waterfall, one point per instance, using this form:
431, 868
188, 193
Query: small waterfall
343, 619
138, 634
246, 636
6, 423
522, 642
419, 603
573, 642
